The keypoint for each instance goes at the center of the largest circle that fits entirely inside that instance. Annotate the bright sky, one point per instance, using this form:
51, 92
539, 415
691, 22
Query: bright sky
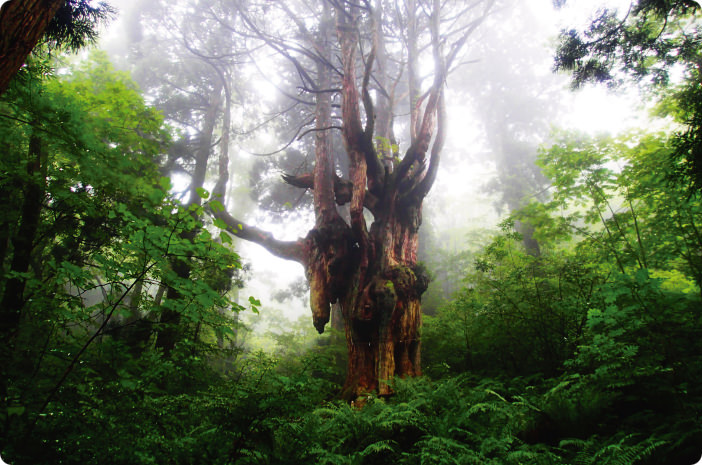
593, 109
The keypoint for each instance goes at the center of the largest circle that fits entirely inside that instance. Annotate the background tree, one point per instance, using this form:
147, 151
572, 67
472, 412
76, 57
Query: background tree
87, 249
515, 104
189, 75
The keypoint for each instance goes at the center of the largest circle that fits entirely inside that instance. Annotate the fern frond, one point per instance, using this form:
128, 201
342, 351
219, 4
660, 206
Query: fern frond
619, 453
387, 445
483, 407
490, 391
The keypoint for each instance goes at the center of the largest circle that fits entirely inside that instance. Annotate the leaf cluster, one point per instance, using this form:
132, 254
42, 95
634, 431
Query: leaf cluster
76, 24
599, 333
96, 275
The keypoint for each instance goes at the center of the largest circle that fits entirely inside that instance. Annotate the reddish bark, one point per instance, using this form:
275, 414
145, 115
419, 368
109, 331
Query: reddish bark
22, 24
372, 274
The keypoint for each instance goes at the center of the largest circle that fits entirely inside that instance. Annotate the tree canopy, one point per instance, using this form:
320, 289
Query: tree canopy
652, 40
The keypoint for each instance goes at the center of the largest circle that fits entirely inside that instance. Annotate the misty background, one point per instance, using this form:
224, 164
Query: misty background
503, 104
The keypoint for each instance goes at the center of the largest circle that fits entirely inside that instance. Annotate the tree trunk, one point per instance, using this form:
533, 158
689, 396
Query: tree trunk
382, 318
379, 289
23, 242
22, 24
171, 331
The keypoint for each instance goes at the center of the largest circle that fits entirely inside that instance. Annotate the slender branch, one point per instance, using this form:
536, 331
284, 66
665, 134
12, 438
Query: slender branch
279, 48
634, 216
288, 144
318, 129
375, 166
263, 123
82, 350
367, 100
427, 182
323, 195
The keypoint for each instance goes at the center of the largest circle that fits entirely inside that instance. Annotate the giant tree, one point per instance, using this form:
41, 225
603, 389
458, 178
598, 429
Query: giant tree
359, 67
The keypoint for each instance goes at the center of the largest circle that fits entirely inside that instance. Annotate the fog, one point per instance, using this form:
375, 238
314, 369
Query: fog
351, 231
505, 82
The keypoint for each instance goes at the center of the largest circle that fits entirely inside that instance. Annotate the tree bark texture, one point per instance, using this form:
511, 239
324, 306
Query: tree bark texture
366, 268
22, 24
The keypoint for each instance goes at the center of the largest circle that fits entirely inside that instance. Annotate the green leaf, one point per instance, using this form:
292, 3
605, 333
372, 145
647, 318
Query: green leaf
216, 206
19, 410
128, 383
165, 183
219, 222
202, 193
255, 303
225, 237
225, 331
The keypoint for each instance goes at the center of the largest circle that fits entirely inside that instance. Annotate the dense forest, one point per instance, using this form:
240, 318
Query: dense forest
566, 328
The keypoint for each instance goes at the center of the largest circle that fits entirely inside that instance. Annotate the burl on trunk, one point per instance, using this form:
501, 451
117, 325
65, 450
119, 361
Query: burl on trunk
378, 284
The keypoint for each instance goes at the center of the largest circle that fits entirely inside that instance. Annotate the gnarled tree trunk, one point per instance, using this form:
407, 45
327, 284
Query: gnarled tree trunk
370, 272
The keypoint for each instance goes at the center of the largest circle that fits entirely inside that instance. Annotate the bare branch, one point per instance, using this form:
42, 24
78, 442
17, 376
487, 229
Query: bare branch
427, 182
288, 144
289, 250
342, 189
367, 101
325, 210
470, 28
318, 129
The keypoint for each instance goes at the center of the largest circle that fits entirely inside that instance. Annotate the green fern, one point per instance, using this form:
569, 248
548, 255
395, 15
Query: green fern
533, 455
622, 452
379, 447
443, 451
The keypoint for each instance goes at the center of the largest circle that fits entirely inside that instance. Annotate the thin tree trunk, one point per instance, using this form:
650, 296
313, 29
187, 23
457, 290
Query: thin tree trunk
171, 332
10, 216
23, 242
